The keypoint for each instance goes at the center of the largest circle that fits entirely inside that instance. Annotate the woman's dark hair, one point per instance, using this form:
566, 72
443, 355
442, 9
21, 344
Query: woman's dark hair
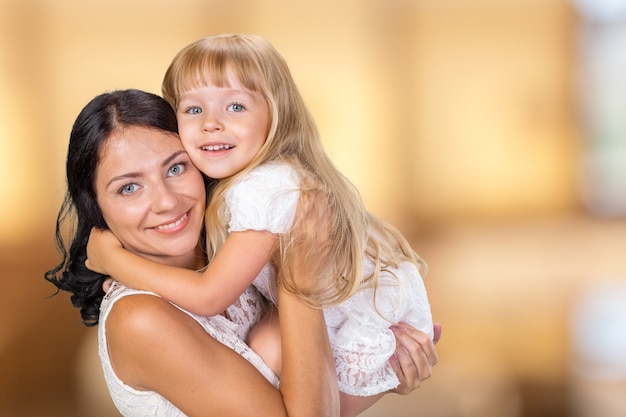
98, 120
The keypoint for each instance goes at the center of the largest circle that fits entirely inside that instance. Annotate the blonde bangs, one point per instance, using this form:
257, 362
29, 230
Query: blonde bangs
203, 63
190, 71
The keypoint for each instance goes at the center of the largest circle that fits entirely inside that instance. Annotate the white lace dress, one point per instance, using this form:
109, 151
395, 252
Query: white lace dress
359, 333
244, 314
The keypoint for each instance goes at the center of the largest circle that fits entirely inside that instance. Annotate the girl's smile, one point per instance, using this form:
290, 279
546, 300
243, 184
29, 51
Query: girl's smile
222, 128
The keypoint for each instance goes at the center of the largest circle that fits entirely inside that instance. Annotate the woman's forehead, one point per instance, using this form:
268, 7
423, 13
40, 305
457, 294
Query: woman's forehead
136, 144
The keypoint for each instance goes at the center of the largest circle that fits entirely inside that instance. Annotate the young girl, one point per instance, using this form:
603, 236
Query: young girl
279, 203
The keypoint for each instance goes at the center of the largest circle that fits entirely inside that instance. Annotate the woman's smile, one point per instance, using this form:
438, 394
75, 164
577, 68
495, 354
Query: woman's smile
152, 197
174, 226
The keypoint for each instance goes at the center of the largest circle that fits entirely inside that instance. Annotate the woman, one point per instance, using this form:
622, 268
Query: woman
127, 171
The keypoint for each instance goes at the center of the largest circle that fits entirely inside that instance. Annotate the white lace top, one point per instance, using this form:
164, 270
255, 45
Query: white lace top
359, 333
244, 314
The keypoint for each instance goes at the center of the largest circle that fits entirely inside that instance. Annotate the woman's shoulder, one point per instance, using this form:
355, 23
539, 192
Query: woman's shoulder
125, 310
131, 300
119, 297
140, 310
137, 322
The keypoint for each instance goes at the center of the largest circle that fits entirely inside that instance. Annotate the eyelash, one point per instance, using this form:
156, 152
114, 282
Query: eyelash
193, 109
122, 189
235, 104
190, 109
182, 164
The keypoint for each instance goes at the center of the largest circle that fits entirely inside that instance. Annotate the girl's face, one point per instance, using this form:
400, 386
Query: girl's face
222, 128
151, 195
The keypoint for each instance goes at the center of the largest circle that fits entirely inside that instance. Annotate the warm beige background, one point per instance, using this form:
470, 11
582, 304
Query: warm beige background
455, 118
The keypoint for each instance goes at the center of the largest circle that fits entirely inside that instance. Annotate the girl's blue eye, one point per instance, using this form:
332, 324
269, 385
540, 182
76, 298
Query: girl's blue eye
194, 110
177, 169
236, 107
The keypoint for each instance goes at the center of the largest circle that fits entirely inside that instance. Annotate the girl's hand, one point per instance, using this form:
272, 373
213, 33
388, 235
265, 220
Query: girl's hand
414, 357
106, 284
101, 242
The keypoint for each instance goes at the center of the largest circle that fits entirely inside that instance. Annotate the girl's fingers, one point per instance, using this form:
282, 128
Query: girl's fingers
414, 340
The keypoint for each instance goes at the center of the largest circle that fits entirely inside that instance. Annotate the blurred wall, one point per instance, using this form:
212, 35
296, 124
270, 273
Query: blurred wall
433, 108
440, 111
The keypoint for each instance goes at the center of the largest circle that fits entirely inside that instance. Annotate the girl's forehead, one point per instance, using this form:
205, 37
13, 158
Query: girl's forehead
205, 78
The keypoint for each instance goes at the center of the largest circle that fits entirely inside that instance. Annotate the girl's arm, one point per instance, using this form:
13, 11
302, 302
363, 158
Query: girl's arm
155, 346
207, 293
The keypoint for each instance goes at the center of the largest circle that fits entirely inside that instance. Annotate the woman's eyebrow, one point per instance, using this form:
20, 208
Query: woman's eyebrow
123, 177
172, 157
166, 162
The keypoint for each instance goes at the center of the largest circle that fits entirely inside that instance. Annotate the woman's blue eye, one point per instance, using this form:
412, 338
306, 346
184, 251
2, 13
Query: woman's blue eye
128, 189
177, 169
236, 107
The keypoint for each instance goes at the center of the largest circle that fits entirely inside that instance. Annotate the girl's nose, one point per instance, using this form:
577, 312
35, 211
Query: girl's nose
211, 123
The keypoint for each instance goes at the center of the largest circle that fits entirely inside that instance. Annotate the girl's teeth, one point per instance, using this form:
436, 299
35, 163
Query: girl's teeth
216, 147
169, 226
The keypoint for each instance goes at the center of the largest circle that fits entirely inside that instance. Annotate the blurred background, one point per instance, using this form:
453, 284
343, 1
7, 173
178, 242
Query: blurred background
491, 132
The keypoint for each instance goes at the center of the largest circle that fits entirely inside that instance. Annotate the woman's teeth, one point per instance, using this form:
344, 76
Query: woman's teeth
169, 226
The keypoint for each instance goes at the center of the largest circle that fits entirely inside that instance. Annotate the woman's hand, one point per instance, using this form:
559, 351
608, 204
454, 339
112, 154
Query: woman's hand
101, 242
414, 357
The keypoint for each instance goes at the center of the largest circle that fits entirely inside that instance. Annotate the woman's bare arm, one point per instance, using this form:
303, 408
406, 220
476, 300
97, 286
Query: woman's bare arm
306, 351
155, 346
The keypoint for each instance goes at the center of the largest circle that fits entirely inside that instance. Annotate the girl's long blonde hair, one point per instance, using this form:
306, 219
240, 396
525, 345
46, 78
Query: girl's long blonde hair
332, 229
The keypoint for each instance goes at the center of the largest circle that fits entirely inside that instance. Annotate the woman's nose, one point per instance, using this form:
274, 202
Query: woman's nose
164, 198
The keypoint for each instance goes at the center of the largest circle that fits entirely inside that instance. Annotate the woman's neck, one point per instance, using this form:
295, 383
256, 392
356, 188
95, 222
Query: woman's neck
194, 259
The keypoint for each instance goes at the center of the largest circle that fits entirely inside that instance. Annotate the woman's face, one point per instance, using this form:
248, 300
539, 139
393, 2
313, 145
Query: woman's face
151, 195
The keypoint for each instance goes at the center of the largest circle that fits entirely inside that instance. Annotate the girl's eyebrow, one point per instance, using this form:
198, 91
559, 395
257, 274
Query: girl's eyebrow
166, 162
